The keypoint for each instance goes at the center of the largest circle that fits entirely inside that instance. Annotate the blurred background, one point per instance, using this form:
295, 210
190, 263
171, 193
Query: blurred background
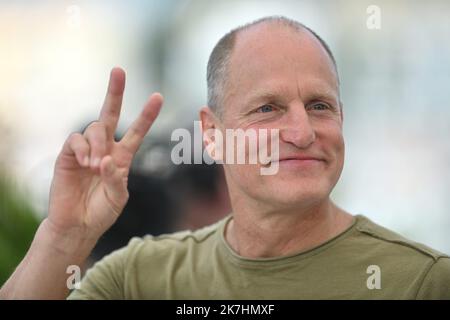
55, 58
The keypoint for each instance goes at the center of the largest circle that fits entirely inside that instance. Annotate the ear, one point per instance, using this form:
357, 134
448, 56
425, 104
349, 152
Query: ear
209, 126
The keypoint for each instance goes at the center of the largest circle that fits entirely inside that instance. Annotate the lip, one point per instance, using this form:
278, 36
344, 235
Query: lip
299, 161
300, 158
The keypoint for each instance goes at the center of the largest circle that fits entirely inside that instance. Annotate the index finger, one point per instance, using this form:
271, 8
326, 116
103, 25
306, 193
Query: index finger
137, 131
109, 115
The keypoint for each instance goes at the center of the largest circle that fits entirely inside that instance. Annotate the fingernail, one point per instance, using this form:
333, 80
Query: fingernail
86, 161
96, 162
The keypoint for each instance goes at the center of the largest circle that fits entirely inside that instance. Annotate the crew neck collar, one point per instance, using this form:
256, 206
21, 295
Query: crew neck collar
234, 257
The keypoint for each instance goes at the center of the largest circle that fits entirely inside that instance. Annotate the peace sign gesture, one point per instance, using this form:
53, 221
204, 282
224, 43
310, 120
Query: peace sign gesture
89, 187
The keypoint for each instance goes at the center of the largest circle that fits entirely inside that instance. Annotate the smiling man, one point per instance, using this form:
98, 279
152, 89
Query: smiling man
285, 238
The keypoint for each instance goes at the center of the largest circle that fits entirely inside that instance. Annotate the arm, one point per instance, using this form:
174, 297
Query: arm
88, 193
42, 272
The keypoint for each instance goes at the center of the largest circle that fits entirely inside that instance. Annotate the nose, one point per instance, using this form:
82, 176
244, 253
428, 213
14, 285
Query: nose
296, 128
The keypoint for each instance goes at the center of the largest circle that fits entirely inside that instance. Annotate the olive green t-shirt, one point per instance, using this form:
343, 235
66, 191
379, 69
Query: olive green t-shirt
366, 261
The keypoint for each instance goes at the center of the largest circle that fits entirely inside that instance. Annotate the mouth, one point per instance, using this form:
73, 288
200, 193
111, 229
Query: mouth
298, 161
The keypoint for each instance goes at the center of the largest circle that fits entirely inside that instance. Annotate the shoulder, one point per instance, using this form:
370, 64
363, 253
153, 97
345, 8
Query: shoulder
184, 237
436, 283
394, 242
124, 272
174, 244
405, 262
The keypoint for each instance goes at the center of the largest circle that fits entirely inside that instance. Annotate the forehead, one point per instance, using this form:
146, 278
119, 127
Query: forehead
270, 54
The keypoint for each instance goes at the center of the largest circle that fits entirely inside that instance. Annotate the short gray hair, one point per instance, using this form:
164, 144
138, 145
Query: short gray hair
217, 69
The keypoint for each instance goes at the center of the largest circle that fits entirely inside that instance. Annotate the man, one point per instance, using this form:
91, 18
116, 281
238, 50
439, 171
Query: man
285, 238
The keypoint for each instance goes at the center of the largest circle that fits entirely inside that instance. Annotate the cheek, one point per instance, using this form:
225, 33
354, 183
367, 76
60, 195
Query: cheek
332, 142
335, 142
244, 172
248, 147
330, 135
243, 178
338, 145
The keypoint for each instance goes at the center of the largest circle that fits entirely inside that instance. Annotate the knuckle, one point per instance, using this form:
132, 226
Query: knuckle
99, 144
76, 140
94, 127
88, 126
73, 140
96, 139
73, 136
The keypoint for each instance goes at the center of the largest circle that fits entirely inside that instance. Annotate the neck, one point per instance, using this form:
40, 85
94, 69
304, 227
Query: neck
256, 234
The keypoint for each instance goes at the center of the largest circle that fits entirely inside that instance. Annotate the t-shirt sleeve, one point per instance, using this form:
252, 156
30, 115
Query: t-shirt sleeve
105, 280
436, 284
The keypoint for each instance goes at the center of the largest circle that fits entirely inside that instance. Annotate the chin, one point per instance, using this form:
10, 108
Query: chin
300, 194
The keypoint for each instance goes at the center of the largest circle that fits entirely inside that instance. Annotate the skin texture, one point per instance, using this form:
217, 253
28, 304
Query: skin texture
283, 78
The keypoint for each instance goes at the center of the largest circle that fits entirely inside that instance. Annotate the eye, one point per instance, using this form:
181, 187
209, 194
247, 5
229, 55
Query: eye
265, 108
320, 106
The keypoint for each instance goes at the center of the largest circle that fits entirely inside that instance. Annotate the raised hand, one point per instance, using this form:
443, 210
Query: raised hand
89, 187
88, 193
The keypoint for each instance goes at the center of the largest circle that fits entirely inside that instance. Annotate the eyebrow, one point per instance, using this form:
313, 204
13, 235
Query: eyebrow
326, 94
265, 96
275, 95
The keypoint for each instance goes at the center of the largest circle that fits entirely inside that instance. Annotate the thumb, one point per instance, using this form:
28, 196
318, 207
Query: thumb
115, 184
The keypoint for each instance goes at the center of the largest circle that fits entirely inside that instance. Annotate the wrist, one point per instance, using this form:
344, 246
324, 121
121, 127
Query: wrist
74, 242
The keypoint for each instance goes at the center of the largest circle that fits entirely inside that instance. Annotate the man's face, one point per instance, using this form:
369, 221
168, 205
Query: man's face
283, 79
